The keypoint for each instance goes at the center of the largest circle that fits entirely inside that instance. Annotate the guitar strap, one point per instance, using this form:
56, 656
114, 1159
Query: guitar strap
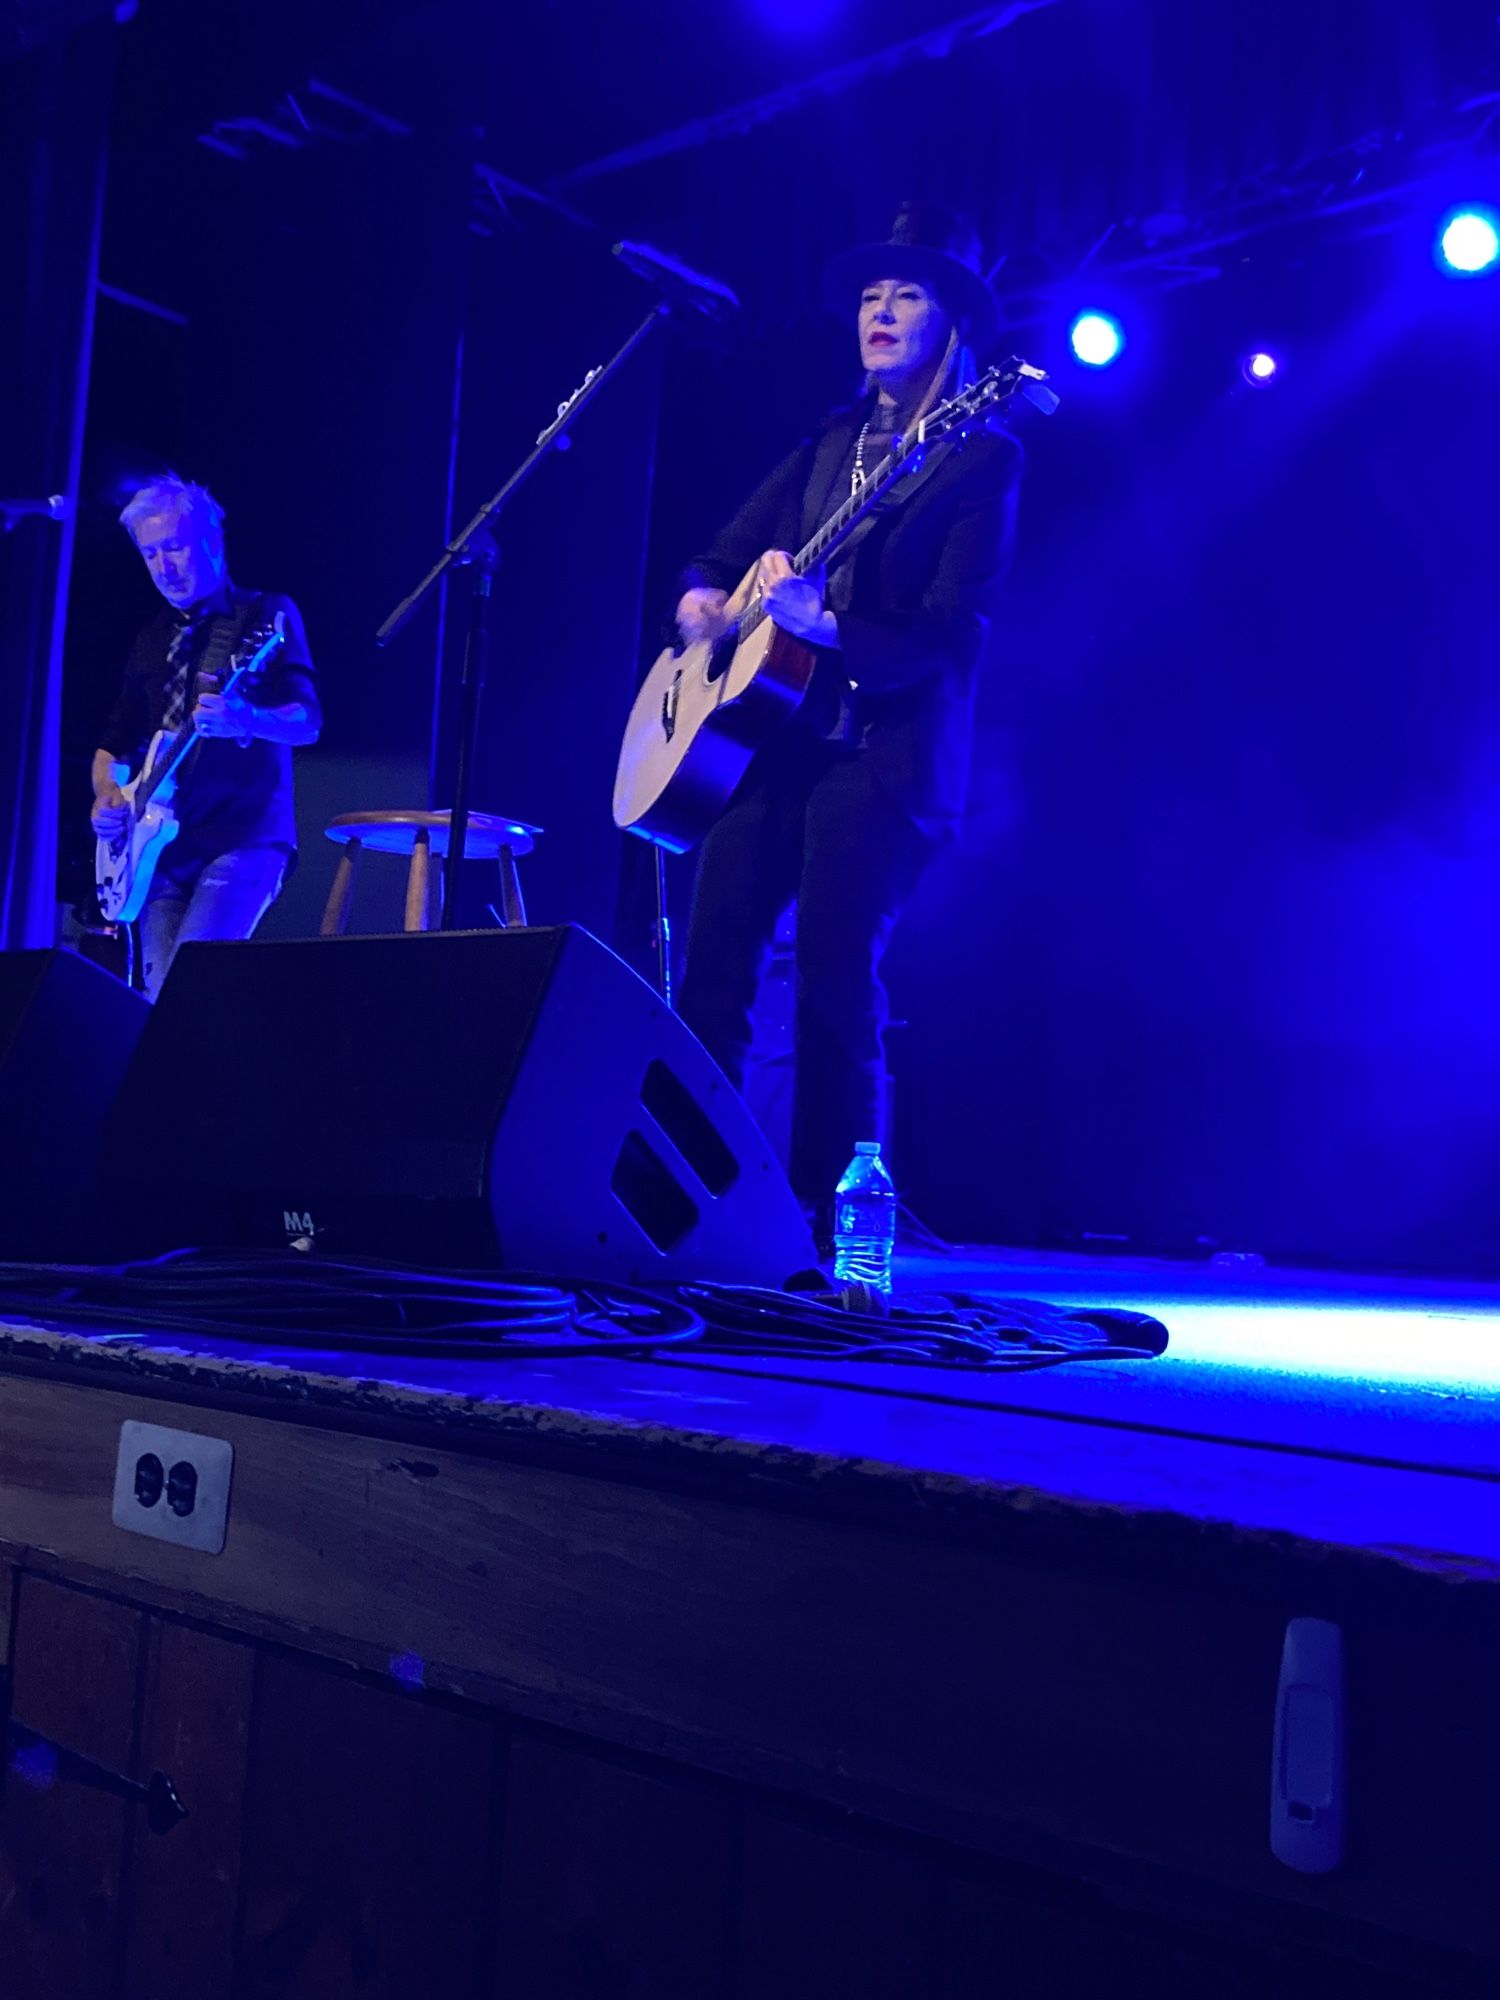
225, 630
900, 495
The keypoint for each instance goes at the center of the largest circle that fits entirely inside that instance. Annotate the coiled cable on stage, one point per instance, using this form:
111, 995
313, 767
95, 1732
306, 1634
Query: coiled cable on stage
293, 1299
286, 1298
944, 1329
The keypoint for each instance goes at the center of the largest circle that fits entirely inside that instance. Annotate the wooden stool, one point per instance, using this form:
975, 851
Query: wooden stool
420, 835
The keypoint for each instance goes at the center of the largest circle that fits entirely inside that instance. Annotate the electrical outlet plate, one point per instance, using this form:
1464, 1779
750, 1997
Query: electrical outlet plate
211, 1461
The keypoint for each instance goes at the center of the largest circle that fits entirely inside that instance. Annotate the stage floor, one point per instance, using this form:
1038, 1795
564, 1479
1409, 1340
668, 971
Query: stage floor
1348, 1413
1358, 1411
1317, 1360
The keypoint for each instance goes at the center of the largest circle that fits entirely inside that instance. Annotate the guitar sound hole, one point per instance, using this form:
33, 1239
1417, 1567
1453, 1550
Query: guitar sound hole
722, 654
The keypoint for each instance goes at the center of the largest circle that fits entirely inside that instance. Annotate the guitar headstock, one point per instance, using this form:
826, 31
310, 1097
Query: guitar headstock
1003, 383
248, 660
263, 640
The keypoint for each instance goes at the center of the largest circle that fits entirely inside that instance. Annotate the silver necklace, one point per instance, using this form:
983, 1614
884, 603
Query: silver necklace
857, 477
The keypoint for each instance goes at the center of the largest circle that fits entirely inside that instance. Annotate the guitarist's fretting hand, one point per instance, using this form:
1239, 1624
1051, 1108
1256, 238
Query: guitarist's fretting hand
110, 811
224, 715
795, 603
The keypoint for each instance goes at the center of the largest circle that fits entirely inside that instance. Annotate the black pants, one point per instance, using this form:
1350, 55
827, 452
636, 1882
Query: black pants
808, 821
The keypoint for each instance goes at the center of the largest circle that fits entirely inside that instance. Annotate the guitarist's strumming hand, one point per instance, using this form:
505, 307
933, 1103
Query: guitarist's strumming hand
701, 615
111, 809
795, 603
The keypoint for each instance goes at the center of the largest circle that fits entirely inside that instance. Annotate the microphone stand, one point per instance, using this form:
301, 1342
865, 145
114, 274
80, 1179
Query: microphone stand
663, 928
473, 548
52, 509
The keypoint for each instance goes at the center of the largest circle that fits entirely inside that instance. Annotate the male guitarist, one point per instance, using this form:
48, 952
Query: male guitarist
844, 809
238, 835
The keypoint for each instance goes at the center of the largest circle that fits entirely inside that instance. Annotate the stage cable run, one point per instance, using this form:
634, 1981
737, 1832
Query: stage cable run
289, 1299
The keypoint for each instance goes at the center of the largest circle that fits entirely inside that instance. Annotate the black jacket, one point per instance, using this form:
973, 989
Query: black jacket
914, 612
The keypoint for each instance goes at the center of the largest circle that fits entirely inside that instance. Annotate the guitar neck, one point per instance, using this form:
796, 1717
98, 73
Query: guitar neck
904, 458
166, 764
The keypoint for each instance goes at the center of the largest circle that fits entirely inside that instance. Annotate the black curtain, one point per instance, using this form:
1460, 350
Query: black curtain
566, 612
53, 148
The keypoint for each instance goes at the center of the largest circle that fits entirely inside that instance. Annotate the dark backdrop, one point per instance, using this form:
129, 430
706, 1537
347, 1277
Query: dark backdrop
1215, 963
546, 306
54, 143
1212, 963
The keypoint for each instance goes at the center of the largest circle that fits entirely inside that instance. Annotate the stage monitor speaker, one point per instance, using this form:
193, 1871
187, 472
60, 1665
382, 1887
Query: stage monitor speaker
516, 1098
67, 1031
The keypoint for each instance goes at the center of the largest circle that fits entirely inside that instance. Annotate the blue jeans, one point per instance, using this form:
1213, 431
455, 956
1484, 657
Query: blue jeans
224, 898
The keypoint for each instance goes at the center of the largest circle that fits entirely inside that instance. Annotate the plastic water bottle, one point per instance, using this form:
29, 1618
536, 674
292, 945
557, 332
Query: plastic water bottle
864, 1221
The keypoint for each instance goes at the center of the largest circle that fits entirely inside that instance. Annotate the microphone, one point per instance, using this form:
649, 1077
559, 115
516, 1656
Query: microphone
54, 507
705, 295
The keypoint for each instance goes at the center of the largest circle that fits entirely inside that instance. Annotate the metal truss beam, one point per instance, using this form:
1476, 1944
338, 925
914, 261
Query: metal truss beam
933, 46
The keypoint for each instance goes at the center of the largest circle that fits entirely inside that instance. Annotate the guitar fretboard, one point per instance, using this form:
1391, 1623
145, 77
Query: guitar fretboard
833, 530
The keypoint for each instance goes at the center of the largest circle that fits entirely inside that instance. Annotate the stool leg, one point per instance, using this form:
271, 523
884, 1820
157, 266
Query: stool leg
418, 883
512, 907
341, 895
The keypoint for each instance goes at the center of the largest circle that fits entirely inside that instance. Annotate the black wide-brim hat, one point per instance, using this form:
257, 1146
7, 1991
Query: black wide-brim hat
939, 249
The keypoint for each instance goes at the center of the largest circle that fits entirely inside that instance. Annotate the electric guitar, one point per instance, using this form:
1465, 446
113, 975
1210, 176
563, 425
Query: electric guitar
705, 709
125, 863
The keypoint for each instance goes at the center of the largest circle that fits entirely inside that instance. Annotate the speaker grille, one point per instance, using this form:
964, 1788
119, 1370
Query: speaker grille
667, 1099
651, 1195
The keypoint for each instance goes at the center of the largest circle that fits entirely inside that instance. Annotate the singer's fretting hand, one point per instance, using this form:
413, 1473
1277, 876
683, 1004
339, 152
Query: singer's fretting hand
793, 602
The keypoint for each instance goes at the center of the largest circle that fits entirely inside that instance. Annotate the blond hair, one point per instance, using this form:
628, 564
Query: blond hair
169, 490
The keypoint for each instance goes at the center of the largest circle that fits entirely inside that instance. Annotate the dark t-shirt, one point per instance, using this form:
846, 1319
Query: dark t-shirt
227, 796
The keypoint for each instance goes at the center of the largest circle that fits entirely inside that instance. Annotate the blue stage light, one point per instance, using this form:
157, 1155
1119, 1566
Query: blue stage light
1260, 368
1469, 242
1370, 1339
1096, 339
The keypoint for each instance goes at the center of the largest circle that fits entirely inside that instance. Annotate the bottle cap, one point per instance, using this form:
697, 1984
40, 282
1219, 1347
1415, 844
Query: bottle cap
868, 1146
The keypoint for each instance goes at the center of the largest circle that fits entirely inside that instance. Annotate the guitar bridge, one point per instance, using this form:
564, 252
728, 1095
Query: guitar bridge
669, 707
